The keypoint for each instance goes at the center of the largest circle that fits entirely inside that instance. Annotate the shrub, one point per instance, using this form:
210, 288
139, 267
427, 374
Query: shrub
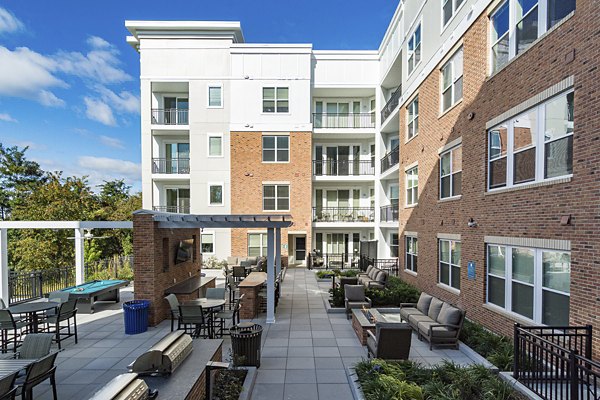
338, 273
382, 380
213, 262
496, 349
397, 291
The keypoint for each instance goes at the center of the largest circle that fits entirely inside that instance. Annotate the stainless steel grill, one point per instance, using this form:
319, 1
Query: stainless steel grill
165, 356
125, 387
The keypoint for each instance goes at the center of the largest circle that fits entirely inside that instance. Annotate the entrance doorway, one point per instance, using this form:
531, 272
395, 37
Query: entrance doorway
300, 247
297, 248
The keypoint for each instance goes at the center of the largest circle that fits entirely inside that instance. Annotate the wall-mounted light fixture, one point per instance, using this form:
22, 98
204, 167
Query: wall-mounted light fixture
472, 223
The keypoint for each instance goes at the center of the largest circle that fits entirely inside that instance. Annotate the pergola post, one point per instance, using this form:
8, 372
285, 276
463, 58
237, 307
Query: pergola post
79, 257
278, 250
270, 276
4, 265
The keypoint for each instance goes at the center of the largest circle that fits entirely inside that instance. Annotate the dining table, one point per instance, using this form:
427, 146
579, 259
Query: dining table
32, 310
10, 366
211, 305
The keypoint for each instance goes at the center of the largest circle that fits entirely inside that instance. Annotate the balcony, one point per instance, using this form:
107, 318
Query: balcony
389, 213
391, 105
344, 120
343, 214
170, 116
390, 159
170, 165
172, 209
343, 168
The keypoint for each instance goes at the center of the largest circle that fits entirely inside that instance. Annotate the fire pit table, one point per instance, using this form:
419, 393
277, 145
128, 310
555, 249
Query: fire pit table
364, 320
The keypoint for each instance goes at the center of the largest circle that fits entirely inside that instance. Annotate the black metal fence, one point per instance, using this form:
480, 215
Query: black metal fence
173, 209
555, 362
391, 265
390, 159
344, 120
343, 167
349, 261
389, 213
29, 285
343, 214
391, 104
169, 116
170, 165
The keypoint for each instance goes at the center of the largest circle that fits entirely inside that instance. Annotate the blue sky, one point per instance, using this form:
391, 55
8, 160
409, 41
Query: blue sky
69, 84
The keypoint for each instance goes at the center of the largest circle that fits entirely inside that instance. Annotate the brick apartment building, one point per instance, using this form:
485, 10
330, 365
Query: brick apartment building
466, 146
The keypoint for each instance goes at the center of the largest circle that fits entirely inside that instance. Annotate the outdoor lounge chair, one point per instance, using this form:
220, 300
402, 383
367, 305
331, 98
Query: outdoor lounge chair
37, 373
355, 298
66, 312
7, 388
391, 341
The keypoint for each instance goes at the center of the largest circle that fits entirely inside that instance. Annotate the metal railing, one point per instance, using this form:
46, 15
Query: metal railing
389, 213
331, 261
173, 209
170, 165
343, 168
391, 104
390, 159
30, 285
391, 265
343, 214
344, 120
170, 116
555, 362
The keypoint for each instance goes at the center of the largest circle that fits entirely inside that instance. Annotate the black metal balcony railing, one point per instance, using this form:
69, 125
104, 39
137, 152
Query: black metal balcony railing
170, 116
173, 209
170, 165
389, 213
343, 214
343, 168
344, 120
391, 104
390, 159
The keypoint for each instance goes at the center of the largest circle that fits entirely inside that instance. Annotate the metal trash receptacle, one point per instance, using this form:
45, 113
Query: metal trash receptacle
245, 343
136, 316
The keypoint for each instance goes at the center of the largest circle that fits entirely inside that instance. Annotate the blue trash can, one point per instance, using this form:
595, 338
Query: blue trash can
136, 316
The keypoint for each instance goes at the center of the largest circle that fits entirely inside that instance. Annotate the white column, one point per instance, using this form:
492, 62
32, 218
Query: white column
79, 257
270, 276
4, 265
278, 250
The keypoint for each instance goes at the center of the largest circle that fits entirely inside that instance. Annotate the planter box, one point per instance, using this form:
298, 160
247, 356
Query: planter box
248, 383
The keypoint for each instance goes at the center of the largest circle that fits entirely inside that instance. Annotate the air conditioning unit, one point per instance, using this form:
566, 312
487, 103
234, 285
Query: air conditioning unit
165, 356
125, 387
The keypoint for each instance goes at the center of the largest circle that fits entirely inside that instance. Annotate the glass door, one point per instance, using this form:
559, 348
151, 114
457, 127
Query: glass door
319, 160
343, 160
318, 118
356, 160
178, 200
170, 109
183, 106
300, 242
332, 160
356, 114
177, 157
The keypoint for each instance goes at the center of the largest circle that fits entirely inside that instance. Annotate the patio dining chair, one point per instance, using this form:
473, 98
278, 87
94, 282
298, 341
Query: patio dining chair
174, 306
222, 316
195, 321
7, 388
37, 373
67, 312
35, 345
215, 293
239, 273
9, 325
232, 286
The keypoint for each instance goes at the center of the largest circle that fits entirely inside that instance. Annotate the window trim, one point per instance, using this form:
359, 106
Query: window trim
414, 239
216, 184
275, 149
211, 86
276, 185
450, 264
408, 51
208, 233
275, 100
406, 189
397, 245
415, 118
451, 174
263, 243
450, 62
455, 11
208, 137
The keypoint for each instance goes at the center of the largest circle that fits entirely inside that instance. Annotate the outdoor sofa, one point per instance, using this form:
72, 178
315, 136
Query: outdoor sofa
434, 320
373, 278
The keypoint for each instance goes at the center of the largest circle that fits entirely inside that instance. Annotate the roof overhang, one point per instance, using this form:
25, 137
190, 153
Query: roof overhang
172, 220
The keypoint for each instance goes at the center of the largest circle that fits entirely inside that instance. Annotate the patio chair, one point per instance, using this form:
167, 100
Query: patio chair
174, 305
239, 273
37, 373
215, 293
222, 316
35, 345
58, 297
232, 287
2, 304
66, 312
7, 388
7, 324
195, 318
355, 298
391, 341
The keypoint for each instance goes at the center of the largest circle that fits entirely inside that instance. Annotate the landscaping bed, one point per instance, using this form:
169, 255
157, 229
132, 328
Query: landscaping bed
229, 384
406, 380
326, 274
397, 291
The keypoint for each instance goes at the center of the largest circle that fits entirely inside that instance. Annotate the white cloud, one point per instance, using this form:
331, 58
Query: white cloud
111, 142
8, 22
117, 169
124, 102
7, 118
97, 42
99, 111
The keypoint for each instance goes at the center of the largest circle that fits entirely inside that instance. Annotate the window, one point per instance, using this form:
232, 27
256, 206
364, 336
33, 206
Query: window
215, 194
451, 173
276, 100
532, 19
257, 244
452, 80
208, 243
215, 96
515, 155
276, 197
394, 245
412, 251
450, 263
449, 8
215, 146
412, 186
413, 118
534, 283
276, 148
414, 49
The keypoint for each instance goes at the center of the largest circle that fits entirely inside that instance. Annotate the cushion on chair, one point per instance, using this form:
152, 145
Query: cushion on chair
232, 260
405, 312
372, 345
416, 318
382, 277
424, 302
449, 315
369, 268
373, 273
434, 308
357, 304
437, 332
354, 292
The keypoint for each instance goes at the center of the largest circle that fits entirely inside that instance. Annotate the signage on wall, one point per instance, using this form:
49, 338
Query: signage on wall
284, 246
471, 270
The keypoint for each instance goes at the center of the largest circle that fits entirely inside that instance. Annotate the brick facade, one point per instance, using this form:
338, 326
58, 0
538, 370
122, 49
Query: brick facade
248, 173
572, 49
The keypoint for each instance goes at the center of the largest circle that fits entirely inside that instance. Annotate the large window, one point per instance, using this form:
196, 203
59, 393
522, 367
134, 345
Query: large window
414, 49
257, 244
534, 283
215, 96
412, 251
208, 243
394, 245
412, 186
533, 146
531, 19
449, 8
276, 148
451, 173
276, 100
215, 194
450, 263
276, 197
452, 80
413, 118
